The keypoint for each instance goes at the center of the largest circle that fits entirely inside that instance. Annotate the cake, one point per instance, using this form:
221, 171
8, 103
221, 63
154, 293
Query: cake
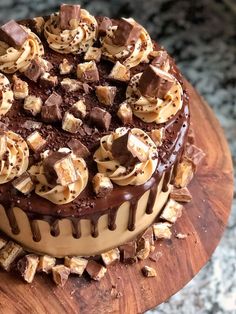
94, 125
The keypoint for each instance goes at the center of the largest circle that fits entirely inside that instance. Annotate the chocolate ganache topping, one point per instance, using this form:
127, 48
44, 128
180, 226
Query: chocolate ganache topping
90, 107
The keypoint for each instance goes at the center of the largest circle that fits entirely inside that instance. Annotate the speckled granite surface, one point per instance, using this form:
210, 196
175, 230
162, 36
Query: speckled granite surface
201, 35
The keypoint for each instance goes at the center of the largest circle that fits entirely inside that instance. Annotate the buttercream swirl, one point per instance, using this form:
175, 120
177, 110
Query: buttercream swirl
75, 40
130, 55
15, 160
59, 194
155, 109
135, 175
13, 59
6, 95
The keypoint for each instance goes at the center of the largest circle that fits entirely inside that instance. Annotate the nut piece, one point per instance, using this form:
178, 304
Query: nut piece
120, 73
3, 144
3, 242
106, 94
46, 263
125, 113
60, 274
184, 173
76, 264
35, 141
70, 85
143, 249
48, 80
95, 270
70, 123
93, 54
65, 67
79, 149
128, 252
172, 211
157, 135
111, 256
78, 109
27, 267
87, 72
39, 24
181, 195
8, 254
102, 185
20, 88
33, 104
24, 183
149, 271
162, 230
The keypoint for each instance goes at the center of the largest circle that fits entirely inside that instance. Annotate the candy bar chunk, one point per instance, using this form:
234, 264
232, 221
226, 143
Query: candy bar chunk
60, 274
59, 168
148, 235
149, 271
162, 230
102, 185
51, 111
194, 153
13, 34
87, 72
71, 85
161, 61
78, 109
27, 267
128, 252
126, 33
172, 211
48, 80
3, 144
125, 113
128, 149
20, 88
111, 256
46, 263
33, 104
8, 254
100, 118
157, 135
93, 54
3, 242
119, 72
79, 149
69, 16
65, 67
143, 249
106, 94
191, 136
3, 126
184, 173
35, 70
35, 141
39, 24
24, 183
32, 125
95, 270
77, 265
104, 24
181, 195
70, 123
152, 85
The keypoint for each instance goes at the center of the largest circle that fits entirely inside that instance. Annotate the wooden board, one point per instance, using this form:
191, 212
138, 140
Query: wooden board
204, 221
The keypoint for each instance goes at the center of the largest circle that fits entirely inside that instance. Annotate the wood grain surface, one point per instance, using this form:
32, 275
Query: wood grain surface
124, 289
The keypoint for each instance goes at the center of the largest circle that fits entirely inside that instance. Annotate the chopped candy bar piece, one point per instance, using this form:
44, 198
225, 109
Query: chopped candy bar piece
172, 211
194, 153
3, 242
65, 67
20, 88
48, 80
35, 141
13, 34
143, 249
27, 267
77, 265
184, 173
100, 118
51, 111
69, 16
128, 252
95, 270
39, 24
125, 113
87, 72
161, 61
35, 69
162, 230
32, 125
24, 183
70, 85
33, 104
102, 185
8, 254
111, 256
106, 94
120, 73
78, 109
181, 195
78, 148
103, 26
93, 54
157, 135
46, 263
60, 274
70, 123
149, 271
126, 33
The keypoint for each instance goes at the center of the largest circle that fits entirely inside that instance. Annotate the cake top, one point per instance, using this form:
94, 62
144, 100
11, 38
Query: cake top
88, 106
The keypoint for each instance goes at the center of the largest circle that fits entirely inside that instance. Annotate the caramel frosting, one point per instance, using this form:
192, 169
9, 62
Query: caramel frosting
75, 40
13, 60
133, 54
60, 194
15, 161
6, 93
140, 173
155, 109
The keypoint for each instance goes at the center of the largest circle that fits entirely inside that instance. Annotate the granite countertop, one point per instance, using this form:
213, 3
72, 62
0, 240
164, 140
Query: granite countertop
201, 35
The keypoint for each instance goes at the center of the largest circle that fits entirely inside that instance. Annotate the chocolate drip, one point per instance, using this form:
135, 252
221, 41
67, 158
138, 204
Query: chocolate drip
76, 229
151, 199
12, 220
54, 226
132, 214
94, 227
35, 230
166, 180
112, 218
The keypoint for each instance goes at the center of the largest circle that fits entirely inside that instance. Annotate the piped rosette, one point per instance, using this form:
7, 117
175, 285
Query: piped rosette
154, 95
128, 43
14, 156
72, 30
61, 176
127, 156
6, 95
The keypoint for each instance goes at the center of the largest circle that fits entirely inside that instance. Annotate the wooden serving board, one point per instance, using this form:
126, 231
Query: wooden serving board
124, 289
